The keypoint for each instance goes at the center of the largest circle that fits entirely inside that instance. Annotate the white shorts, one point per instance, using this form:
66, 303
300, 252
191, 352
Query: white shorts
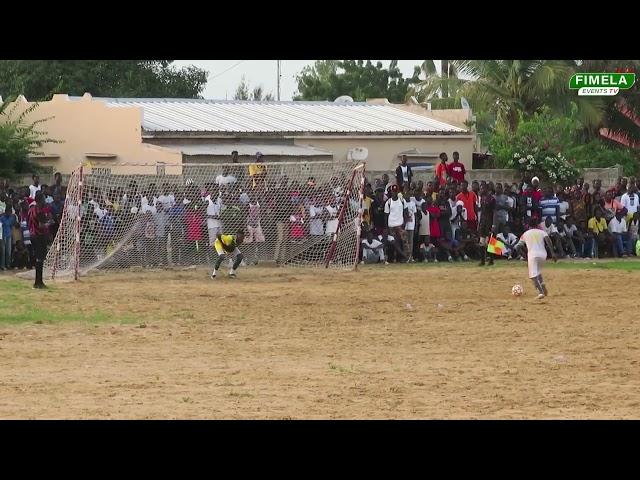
535, 265
254, 234
213, 234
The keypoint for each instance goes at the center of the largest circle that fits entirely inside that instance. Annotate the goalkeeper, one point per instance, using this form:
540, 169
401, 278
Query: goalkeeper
228, 245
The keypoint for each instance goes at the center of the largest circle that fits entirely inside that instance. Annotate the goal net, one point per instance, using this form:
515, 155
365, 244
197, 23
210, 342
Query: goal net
291, 214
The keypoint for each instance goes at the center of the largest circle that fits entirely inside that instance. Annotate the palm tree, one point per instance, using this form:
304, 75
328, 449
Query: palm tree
443, 85
516, 89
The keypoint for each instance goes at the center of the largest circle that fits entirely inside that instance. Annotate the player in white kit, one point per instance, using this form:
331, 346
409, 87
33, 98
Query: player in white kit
535, 240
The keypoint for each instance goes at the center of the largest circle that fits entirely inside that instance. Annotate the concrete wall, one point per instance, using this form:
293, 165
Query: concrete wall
89, 131
383, 152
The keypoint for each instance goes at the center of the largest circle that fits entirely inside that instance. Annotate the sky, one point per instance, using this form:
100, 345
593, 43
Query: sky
225, 75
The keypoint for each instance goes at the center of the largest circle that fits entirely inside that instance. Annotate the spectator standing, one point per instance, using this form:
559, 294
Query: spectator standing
396, 211
442, 170
39, 223
470, 203
34, 188
633, 232
487, 208
549, 205
456, 169
404, 174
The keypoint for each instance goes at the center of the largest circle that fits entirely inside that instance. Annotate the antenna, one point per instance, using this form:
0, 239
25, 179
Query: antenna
358, 154
279, 80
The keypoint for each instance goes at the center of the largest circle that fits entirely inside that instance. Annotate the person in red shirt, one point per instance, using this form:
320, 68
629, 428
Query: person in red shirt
442, 170
456, 169
537, 191
470, 200
39, 221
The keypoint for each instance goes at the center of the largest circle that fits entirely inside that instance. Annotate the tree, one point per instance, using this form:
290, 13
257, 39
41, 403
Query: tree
19, 139
436, 85
518, 89
38, 80
330, 79
242, 92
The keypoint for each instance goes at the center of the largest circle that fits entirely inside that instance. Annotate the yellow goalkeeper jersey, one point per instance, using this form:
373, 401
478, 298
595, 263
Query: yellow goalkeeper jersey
226, 242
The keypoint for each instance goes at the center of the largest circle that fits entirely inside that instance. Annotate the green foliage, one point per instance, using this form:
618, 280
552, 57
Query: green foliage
19, 139
39, 79
330, 79
556, 148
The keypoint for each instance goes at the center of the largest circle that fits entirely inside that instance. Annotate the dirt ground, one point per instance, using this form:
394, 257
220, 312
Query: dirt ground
409, 342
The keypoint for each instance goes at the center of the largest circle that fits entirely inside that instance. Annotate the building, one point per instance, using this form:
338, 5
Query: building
151, 135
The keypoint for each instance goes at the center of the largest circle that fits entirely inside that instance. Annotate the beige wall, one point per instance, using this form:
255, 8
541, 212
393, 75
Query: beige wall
383, 152
90, 127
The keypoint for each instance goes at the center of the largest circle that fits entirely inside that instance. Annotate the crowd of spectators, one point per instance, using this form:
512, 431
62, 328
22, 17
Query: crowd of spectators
444, 219
449, 219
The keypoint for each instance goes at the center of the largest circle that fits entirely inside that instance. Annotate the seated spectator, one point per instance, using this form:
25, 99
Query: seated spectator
602, 239
20, 256
373, 250
575, 235
468, 242
551, 230
567, 242
509, 240
618, 229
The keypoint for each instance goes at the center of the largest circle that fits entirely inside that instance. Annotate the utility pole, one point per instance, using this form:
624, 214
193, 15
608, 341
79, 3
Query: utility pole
278, 80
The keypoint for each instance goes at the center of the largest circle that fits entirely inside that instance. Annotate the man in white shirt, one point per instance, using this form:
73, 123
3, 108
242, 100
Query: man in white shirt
225, 178
535, 239
372, 250
618, 228
630, 200
410, 227
214, 225
35, 186
509, 240
167, 199
550, 229
396, 209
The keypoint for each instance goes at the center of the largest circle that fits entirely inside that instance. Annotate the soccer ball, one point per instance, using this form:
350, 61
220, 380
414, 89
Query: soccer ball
517, 290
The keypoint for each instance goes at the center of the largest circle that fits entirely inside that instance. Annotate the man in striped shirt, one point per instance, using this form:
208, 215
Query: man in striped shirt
550, 205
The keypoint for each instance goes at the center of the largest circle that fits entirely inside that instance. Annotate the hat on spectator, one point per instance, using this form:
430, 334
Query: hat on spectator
535, 178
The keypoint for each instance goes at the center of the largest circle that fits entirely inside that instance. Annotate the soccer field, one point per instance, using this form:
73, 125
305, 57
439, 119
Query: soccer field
414, 341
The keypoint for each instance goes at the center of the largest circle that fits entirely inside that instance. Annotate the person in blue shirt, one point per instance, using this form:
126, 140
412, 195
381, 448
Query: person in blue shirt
8, 220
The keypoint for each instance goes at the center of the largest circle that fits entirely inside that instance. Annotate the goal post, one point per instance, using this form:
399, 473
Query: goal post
299, 214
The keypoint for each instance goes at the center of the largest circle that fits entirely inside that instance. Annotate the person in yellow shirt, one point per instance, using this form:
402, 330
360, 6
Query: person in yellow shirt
257, 171
597, 226
224, 245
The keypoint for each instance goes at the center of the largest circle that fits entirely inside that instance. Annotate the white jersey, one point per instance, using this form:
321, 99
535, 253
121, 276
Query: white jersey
534, 239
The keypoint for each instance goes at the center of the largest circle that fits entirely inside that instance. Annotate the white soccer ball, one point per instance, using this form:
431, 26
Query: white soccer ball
517, 290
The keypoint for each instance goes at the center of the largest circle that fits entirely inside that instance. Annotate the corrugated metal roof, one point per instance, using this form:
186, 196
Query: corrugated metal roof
245, 149
231, 116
